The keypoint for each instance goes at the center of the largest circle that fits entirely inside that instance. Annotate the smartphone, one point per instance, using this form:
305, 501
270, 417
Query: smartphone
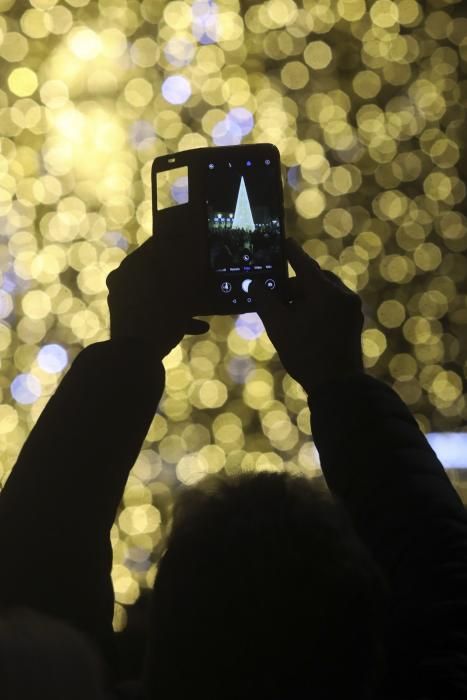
224, 207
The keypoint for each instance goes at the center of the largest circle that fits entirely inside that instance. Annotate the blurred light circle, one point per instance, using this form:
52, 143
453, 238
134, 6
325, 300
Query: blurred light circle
85, 43
179, 51
318, 55
310, 203
205, 21
52, 358
226, 133
142, 134
176, 89
213, 393
180, 190
22, 82
8, 419
249, 326
239, 367
242, 118
6, 304
25, 388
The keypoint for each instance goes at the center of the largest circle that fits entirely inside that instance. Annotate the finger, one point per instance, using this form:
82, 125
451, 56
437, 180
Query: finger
294, 289
144, 252
109, 280
293, 247
308, 271
196, 327
135, 265
337, 282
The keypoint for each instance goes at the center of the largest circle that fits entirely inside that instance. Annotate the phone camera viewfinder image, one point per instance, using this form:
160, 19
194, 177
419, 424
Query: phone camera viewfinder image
243, 219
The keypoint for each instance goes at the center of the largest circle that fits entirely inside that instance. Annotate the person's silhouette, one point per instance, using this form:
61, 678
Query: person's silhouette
378, 566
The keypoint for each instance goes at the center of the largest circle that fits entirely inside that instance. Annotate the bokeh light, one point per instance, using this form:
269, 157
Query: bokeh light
176, 89
366, 102
52, 358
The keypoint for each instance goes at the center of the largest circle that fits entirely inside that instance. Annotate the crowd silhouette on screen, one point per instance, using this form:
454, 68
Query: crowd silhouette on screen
261, 247
272, 586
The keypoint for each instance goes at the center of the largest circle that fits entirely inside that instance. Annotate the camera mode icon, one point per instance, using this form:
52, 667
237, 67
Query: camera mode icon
226, 287
270, 284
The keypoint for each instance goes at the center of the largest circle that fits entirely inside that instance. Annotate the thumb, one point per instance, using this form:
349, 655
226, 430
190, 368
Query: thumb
196, 327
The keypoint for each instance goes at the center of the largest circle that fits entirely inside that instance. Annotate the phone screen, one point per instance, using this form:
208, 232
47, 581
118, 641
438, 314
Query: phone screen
229, 202
244, 228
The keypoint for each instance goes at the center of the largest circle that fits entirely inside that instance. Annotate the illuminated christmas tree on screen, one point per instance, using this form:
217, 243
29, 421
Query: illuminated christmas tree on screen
243, 218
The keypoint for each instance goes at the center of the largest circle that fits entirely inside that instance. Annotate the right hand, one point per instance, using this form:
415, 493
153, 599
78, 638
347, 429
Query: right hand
318, 334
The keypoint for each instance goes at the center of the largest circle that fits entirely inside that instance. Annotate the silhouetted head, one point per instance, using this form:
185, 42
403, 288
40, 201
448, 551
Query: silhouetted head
265, 592
44, 659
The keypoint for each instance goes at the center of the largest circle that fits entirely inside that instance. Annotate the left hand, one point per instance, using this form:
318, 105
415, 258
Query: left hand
150, 296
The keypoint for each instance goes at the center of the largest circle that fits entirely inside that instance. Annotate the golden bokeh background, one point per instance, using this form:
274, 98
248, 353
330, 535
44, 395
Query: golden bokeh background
366, 102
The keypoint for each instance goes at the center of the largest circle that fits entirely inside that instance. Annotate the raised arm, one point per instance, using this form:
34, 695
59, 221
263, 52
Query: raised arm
378, 463
59, 503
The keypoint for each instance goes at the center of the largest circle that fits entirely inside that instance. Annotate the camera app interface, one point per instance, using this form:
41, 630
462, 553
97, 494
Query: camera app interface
243, 219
